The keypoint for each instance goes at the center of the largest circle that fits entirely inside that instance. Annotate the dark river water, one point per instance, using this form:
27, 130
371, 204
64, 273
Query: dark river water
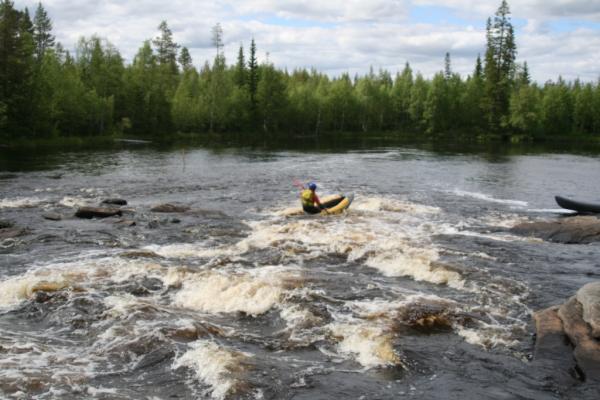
418, 290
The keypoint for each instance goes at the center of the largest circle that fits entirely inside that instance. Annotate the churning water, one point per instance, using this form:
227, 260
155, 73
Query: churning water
417, 291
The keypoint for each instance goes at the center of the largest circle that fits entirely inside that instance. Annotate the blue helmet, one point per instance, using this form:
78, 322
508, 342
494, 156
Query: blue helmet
312, 186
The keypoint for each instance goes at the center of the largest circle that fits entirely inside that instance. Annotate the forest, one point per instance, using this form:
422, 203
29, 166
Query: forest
47, 92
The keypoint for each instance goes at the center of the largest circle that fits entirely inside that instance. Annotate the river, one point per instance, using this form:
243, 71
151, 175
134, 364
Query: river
418, 290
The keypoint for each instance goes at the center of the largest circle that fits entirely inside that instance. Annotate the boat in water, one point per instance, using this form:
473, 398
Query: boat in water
579, 206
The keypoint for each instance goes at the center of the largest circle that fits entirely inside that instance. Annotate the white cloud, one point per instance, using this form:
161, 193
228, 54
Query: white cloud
335, 36
329, 11
588, 9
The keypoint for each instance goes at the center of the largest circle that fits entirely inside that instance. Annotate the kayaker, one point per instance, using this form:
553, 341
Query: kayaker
309, 198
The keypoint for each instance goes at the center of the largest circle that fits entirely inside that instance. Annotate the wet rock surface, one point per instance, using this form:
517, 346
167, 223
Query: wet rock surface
10, 233
52, 216
170, 208
589, 297
574, 230
115, 201
97, 212
565, 338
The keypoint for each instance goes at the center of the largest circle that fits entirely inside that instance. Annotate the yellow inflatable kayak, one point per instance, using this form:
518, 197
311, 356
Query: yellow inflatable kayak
336, 204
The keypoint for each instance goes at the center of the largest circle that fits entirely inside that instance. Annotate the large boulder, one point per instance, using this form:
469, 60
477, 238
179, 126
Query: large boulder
578, 229
170, 208
97, 212
589, 297
586, 348
567, 336
552, 348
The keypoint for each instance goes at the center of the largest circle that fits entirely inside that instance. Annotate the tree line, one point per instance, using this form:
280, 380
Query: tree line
45, 91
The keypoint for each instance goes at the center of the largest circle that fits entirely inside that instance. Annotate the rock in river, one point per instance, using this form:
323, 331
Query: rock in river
11, 233
579, 229
569, 332
97, 212
52, 216
5, 224
589, 297
116, 202
170, 208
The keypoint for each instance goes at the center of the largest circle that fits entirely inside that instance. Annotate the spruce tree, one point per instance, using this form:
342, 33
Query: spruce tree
166, 48
42, 32
447, 67
185, 59
240, 68
499, 67
253, 74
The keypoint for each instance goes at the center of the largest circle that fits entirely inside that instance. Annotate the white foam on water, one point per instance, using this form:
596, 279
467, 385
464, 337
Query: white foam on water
369, 345
82, 274
253, 292
485, 197
415, 263
28, 364
14, 290
366, 334
215, 366
552, 211
487, 338
74, 201
503, 220
375, 204
189, 250
391, 236
22, 202
298, 317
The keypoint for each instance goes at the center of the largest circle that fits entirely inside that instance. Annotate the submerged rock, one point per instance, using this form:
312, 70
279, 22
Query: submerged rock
52, 216
5, 224
97, 212
170, 208
116, 202
10, 233
140, 254
126, 222
428, 317
578, 229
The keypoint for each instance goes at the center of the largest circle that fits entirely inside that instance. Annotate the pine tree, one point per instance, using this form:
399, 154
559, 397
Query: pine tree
185, 59
217, 38
401, 97
240, 68
447, 67
499, 67
42, 36
166, 48
253, 74
16, 69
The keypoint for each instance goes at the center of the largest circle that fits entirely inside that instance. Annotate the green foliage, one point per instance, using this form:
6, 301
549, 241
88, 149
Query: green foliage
44, 91
271, 98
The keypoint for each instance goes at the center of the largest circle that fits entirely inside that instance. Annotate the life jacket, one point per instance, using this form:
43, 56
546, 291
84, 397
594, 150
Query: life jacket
307, 198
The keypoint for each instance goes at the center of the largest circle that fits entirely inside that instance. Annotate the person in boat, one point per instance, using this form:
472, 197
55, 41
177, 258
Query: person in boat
309, 198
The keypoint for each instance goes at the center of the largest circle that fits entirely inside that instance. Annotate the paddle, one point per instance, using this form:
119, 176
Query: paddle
298, 184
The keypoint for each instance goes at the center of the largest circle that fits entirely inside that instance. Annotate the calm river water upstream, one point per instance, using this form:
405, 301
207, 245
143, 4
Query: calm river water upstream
418, 290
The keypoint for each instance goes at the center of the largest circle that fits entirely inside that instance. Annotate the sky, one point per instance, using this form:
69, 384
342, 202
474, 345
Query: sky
555, 37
